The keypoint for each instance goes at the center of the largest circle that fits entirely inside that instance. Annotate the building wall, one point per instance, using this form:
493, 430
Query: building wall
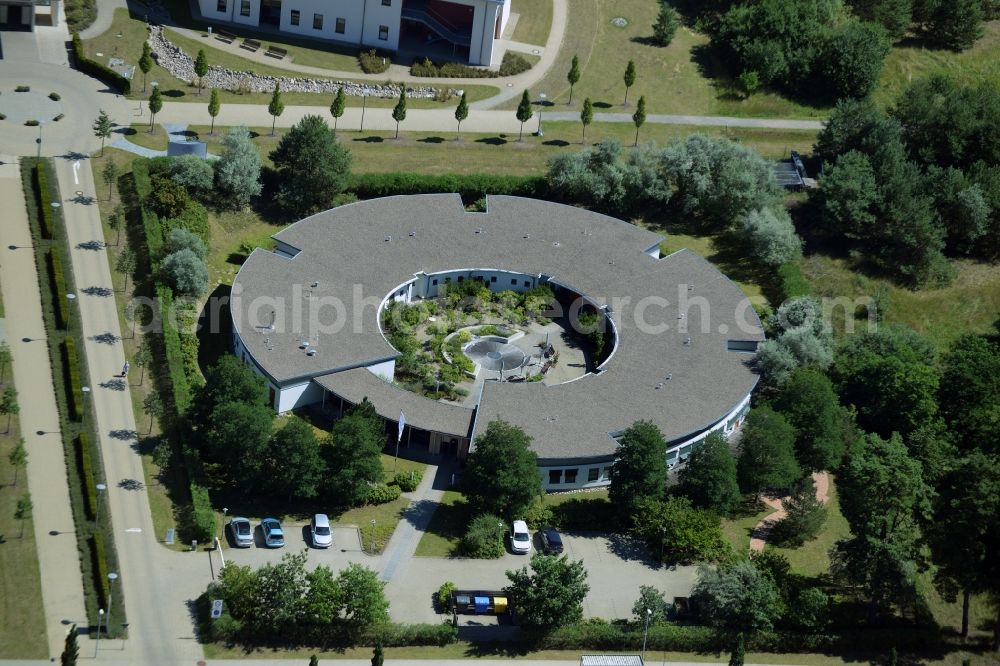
298, 395
386, 369
252, 17
372, 12
210, 9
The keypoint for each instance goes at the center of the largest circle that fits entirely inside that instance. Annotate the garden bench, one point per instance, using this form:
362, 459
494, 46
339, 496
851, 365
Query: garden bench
225, 36
276, 52
250, 44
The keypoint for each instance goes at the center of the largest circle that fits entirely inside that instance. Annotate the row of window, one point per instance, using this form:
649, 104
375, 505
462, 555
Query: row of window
557, 476
478, 278
340, 27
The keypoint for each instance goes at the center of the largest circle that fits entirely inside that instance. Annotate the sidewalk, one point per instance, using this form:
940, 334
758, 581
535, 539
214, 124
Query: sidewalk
58, 557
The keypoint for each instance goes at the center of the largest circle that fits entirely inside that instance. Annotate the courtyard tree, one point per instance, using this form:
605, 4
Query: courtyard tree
116, 220
110, 173
708, 477
573, 76
640, 468
297, 468
551, 594
399, 111
312, 166
228, 380
586, 116
810, 404
8, 405
125, 264
237, 171
461, 111
186, 273
352, 454
276, 106
338, 106
22, 512
524, 113
629, 79
214, 106
501, 474
18, 458
152, 406
102, 128
155, 103
737, 599
677, 532
145, 63
767, 452
666, 25
200, 67
639, 117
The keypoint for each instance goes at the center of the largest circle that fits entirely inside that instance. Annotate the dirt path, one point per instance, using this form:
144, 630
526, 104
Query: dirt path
764, 527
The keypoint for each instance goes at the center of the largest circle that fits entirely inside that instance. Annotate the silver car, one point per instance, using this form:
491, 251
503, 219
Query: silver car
322, 537
242, 532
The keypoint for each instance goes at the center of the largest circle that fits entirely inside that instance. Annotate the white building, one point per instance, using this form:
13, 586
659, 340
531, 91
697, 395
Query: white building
468, 28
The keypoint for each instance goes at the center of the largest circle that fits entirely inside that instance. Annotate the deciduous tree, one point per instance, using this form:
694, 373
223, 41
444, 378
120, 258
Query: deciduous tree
110, 173
767, 452
186, 273
237, 171
501, 474
155, 103
809, 402
312, 166
8, 404
550, 595
352, 454
586, 116
708, 477
18, 458
214, 106
969, 392
102, 128
639, 117
524, 113
338, 106
573, 76
678, 533
125, 264
640, 468
276, 106
629, 79
145, 63
297, 468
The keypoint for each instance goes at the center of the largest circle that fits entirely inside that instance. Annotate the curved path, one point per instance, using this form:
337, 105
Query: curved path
759, 537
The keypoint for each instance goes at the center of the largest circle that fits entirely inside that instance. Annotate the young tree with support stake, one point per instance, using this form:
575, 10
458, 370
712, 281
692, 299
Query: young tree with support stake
143, 357
125, 265
629, 79
152, 406
399, 111
524, 113
145, 63
155, 104
201, 67
18, 458
461, 112
8, 404
214, 105
586, 117
573, 76
102, 128
276, 106
338, 106
23, 512
639, 118
116, 220
110, 174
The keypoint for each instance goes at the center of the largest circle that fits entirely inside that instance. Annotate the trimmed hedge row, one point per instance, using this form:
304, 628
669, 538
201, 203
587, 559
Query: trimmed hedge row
100, 569
202, 514
401, 635
791, 281
471, 186
174, 357
97, 70
74, 393
89, 480
45, 215
57, 275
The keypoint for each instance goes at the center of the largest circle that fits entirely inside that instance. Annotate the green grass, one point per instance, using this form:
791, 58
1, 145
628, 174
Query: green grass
738, 528
446, 527
298, 53
534, 21
22, 619
813, 557
969, 305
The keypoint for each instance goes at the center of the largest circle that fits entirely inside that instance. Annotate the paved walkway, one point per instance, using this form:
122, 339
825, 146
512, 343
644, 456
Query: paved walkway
760, 533
416, 517
58, 557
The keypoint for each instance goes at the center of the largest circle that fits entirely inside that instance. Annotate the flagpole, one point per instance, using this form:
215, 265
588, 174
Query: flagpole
399, 436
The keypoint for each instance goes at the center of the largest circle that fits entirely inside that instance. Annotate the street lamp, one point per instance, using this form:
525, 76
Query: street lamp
541, 107
645, 633
100, 619
222, 529
112, 577
100, 489
38, 141
373, 536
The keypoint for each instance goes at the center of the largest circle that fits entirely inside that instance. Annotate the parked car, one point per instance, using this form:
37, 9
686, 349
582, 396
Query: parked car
551, 541
242, 532
520, 539
270, 528
322, 537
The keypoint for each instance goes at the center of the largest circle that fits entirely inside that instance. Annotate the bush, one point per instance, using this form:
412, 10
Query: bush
173, 357
22, 89
89, 480
400, 635
57, 277
42, 191
31, 123
470, 186
380, 493
443, 597
484, 537
513, 64
407, 481
539, 514
202, 515
186, 273
55, 97
100, 568
92, 67
372, 62
73, 385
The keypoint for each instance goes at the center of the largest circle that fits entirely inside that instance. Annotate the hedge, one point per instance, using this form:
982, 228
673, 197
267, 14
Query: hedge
100, 569
791, 281
57, 277
174, 357
511, 65
45, 214
97, 70
202, 515
89, 480
471, 186
74, 388
401, 635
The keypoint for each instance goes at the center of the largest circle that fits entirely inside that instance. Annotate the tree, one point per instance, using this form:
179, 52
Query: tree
186, 273
155, 103
738, 655
23, 512
145, 63
852, 60
650, 603
237, 171
767, 452
214, 106
799, 337
893, 15
551, 595
524, 113
957, 24
71, 650
102, 128
143, 357
969, 392
312, 166
364, 604
5, 358
337, 107
125, 264
639, 117
666, 25
238, 436
313, 660
677, 532
276, 106
640, 468
737, 598
133, 312
629, 79
18, 458
708, 477
399, 111
884, 499
228, 380
501, 473
296, 464
809, 402
352, 454
586, 116
116, 220
378, 655
461, 111
848, 197
770, 236
749, 82
573, 76
192, 174
152, 406
483, 539
201, 67
964, 533
110, 173
804, 517
8, 404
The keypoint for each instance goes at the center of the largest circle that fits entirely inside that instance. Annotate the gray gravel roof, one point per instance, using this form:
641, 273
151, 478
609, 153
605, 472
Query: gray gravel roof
345, 249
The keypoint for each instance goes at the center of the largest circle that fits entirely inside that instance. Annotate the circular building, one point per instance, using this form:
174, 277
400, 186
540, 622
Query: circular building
679, 334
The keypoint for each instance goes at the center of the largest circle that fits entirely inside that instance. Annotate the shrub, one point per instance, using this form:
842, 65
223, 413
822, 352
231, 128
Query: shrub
372, 62
444, 595
89, 480
22, 89
42, 191
513, 64
55, 97
202, 515
538, 514
484, 537
173, 358
92, 67
100, 569
186, 273
31, 123
407, 481
399, 635
73, 385
470, 186
57, 277
380, 493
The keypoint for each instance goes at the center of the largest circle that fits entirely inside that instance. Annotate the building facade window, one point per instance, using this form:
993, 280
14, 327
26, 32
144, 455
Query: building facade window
554, 476
220, 6
593, 474
317, 21
493, 279
606, 474
244, 7
383, 33
434, 282
513, 282
341, 26
387, 3
571, 475
294, 20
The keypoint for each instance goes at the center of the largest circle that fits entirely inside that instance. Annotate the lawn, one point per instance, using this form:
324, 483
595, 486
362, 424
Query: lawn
447, 524
534, 21
813, 557
737, 529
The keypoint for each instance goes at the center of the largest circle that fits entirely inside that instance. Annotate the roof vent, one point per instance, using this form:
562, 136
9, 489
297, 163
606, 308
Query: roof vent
527, 236
690, 287
311, 352
667, 378
479, 230
304, 344
314, 284
680, 316
388, 238
687, 341
556, 244
412, 234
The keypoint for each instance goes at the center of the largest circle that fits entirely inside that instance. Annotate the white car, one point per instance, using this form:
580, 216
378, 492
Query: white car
520, 538
322, 537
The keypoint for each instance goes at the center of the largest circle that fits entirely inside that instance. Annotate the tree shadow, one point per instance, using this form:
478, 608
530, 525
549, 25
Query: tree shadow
431, 139
131, 484
492, 141
123, 434
369, 139
556, 142
94, 245
126, 131
602, 105
116, 384
174, 93
214, 327
646, 41
107, 338
97, 291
